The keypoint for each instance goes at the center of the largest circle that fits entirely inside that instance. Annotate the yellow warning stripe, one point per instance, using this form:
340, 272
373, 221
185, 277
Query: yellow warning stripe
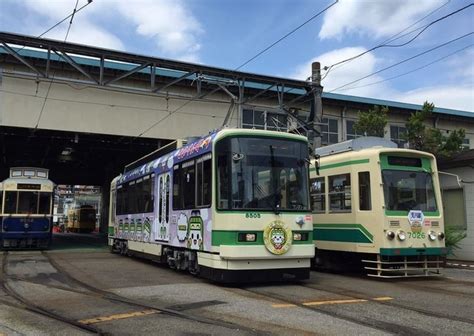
320, 303
119, 316
383, 298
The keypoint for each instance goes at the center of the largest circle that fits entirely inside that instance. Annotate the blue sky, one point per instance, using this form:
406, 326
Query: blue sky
227, 33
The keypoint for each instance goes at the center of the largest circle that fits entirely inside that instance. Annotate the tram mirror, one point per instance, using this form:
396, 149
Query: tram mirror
237, 156
317, 163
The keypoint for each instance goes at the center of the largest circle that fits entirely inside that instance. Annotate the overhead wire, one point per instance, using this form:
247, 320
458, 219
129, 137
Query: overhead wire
286, 35
403, 61
411, 71
52, 77
241, 66
385, 44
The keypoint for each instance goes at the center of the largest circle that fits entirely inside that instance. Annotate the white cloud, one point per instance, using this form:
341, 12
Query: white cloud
460, 97
373, 18
83, 30
347, 73
169, 23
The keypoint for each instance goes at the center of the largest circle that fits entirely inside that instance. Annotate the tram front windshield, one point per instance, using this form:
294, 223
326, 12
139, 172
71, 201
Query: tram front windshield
408, 190
262, 174
27, 202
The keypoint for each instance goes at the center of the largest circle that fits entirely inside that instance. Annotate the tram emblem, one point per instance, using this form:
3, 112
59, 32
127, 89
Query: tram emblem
277, 237
416, 218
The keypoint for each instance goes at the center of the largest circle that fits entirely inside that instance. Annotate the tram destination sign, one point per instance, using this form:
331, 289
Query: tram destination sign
28, 186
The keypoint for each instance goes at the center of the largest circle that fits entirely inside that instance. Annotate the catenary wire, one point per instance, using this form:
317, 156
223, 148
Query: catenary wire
411, 71
239, 67
394, 37
286, 35
52, 77
402, 61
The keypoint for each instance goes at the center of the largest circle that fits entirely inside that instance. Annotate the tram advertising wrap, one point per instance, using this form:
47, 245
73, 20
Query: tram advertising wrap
232, 206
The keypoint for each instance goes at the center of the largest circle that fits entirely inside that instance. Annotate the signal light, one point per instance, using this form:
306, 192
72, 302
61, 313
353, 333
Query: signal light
441, 235
300, 236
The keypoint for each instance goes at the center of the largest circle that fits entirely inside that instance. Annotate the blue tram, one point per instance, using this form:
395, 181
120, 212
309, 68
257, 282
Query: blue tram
26, 209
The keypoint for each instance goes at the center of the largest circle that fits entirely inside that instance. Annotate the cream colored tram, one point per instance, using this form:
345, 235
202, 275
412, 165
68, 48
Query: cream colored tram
377, 206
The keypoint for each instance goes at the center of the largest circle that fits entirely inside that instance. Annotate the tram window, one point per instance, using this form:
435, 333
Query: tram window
167, 198
1, 200
148, 194
188, 185
11, 198
119, 204
223, 180
203, 184
125, 197
318, 194
340, 193
44, 203
176, 188
132, 198
364, 191
160, 203
27, 202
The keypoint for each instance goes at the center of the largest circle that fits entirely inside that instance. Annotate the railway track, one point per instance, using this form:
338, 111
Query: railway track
76, 286
30, 306
360, 295
354, 296
367, 322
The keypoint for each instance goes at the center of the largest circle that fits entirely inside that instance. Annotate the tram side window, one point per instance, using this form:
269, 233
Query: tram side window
188, 184
318, 194
203, 184
119, 205
11, 198
1, 200
176, 188
364, 191
44, 203
340, 193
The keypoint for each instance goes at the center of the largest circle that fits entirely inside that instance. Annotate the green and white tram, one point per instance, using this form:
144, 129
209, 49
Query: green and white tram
378, 206
232, 206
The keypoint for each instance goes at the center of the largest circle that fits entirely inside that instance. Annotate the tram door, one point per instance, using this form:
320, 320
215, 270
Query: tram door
163, 227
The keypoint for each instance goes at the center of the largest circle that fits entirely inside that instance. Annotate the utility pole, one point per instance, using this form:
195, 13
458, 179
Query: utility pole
316, 113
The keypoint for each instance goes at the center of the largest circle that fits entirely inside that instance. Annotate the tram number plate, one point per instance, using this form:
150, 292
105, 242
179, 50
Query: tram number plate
252, 215
416, 235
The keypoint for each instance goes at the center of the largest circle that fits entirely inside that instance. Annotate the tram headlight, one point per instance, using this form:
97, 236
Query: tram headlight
247, 237
300, 236
432, 235
441, 235
390, 235
401, 235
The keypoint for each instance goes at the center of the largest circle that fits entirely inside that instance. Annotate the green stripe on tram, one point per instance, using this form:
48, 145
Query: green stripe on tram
224, 237
342, 164
350, 233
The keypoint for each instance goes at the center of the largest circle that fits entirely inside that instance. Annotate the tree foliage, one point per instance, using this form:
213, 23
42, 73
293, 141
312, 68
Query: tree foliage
428, 139
372, 122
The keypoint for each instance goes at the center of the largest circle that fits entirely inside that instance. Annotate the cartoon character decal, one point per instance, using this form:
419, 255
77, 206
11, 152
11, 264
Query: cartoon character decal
195, 230
277, 237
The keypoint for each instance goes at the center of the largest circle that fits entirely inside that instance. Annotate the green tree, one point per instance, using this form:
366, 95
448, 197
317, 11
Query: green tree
428, 139
372, 122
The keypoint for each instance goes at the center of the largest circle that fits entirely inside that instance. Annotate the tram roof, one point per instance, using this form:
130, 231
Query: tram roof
196, 148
